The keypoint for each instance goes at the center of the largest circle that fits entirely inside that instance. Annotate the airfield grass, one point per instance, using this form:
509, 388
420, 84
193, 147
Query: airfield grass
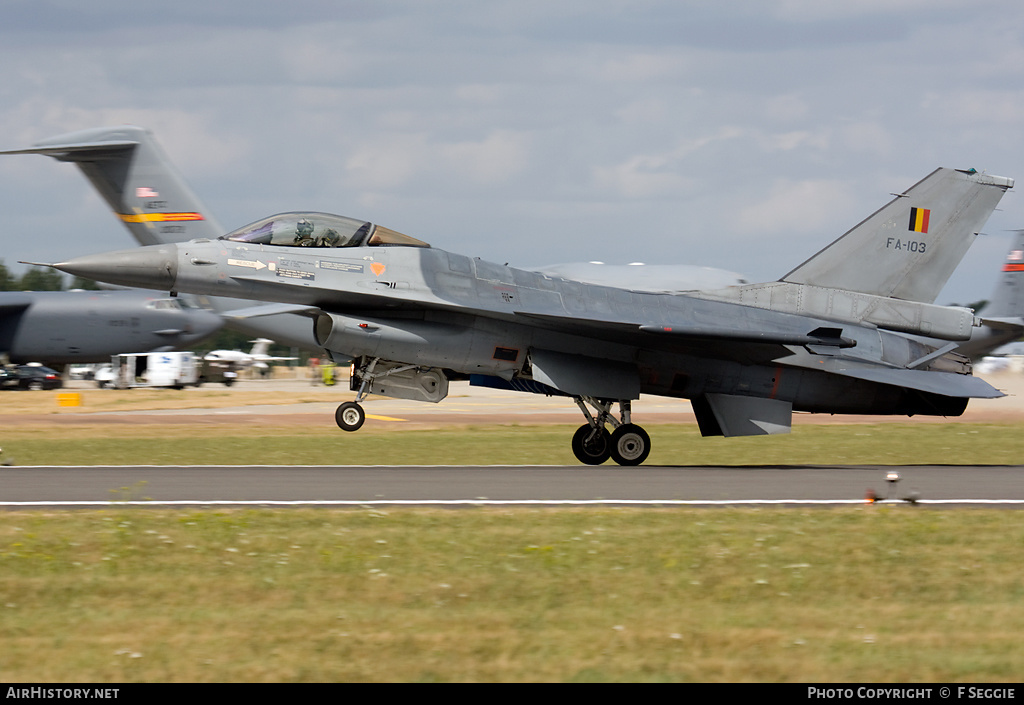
869, 594
283, 443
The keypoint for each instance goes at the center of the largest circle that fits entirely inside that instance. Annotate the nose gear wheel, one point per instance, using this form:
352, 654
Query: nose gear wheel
349, 416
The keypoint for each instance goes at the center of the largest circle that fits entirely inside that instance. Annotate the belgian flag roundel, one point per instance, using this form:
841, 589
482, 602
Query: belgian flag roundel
919, 219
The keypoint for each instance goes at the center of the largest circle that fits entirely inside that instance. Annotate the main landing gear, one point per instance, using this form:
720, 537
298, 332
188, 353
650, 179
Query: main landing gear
592, 444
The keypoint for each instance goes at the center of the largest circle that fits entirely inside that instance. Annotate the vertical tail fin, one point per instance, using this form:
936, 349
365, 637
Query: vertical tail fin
909, 248
1008, 297
148, 195
260, 346
132, 173
1002, 320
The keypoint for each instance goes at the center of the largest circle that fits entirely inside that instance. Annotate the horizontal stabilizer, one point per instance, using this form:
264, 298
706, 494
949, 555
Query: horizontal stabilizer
736, 415
1007, 324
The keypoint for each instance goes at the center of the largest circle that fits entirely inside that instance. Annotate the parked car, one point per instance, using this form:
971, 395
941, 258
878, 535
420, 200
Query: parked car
30, 377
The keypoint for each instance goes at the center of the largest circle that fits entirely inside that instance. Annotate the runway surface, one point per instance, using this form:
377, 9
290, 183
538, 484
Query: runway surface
38, 487
253, 403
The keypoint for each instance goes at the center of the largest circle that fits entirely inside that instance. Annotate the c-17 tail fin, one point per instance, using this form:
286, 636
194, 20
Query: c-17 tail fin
132, 173
1002, 320
909, 248
149, 196
1008, 296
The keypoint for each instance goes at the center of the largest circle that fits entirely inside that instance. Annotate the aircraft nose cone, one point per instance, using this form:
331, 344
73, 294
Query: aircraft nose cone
153, 267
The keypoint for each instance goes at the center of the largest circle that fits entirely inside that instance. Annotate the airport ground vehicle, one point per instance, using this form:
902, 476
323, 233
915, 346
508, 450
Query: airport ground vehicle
167, 369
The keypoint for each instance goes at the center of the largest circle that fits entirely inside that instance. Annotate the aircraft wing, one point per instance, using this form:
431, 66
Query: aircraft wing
270, 310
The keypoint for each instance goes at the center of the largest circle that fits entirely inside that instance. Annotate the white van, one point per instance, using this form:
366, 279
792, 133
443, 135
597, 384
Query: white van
166, 369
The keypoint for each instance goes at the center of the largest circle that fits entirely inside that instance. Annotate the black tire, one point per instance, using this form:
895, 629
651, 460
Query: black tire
630, 445
591, 451
35, 386
349, 416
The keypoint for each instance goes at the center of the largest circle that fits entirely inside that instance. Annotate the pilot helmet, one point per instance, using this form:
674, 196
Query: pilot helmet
303, 230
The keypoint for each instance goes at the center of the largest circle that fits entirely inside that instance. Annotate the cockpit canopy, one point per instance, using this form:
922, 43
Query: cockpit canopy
165, 305
319, 230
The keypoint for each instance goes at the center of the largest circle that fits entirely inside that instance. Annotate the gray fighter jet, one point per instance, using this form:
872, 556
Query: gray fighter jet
59, 327
851, 330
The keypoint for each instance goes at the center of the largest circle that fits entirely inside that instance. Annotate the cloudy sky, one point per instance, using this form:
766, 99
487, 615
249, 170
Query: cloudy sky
742, 134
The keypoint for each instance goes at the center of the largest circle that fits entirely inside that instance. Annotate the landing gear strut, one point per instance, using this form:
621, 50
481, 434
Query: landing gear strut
350, 415
592, 444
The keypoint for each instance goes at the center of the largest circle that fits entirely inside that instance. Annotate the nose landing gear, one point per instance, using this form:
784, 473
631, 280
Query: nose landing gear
350, 415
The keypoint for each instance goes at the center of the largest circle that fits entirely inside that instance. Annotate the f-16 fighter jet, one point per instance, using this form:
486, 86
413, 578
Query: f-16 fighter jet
852, 330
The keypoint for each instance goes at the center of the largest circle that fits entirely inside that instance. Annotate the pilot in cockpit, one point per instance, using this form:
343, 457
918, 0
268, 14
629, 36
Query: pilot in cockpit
304, 233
